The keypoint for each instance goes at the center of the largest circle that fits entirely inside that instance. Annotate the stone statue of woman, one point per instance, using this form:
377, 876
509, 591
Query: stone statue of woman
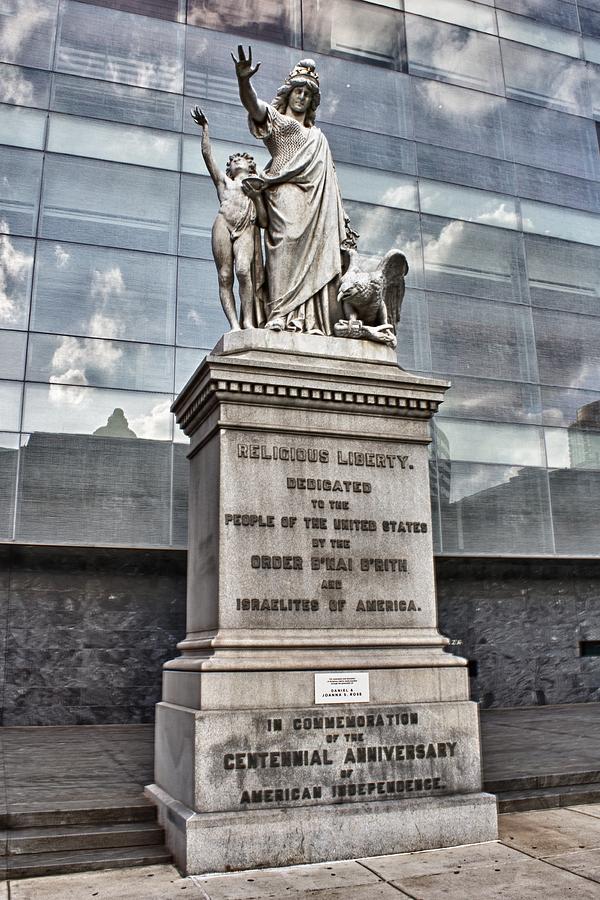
306, 236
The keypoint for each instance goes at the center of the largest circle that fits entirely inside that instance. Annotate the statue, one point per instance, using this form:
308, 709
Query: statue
306, 236
236, 243
371, 301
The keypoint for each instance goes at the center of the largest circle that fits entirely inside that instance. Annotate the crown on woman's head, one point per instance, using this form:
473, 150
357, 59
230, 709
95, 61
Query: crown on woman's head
306, 69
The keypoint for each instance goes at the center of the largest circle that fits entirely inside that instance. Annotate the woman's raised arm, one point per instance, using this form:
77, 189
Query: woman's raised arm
257, 109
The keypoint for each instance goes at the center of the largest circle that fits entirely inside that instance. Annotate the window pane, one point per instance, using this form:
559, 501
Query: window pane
16, 268
104, 140
479, 398
9, 454
382, 151
12, 354
459, 118
25, 87
547, 79
563, 275
117, 102
271, 20
555, 12
371, 186
473, 260
563, 406
556, 221
568, 349
494, 509
467, 203
192, 160
181, 468
449, 53
10, 405
518, 445
19, 190
27, 29
539, 184
381, 228
517, 28
504, 347
414, 353
108, 203
594, 83
172, 10
553, 140
578, 446
576, 510
466, 168
227, 122
589, 20
116, 46
458, 12
200, 318
22, 127
199, 206
186, 363
97, 292
591, 49
354, 30
100, 363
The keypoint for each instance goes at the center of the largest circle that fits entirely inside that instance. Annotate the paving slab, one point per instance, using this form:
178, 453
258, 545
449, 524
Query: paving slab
440, 862
582, 862
143, 883
588, 809
275, 883
548, 832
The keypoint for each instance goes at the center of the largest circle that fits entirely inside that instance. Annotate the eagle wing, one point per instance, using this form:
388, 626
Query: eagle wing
393, 271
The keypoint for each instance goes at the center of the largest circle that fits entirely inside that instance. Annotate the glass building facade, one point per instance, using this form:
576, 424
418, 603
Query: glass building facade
464, 133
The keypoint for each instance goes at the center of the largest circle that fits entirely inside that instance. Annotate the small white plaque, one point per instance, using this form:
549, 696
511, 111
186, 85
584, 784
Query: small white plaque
341, 687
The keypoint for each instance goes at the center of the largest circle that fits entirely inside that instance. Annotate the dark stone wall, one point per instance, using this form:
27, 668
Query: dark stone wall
521, 622
84, 632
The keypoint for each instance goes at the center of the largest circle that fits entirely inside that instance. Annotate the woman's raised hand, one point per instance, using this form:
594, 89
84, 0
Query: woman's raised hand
243, 65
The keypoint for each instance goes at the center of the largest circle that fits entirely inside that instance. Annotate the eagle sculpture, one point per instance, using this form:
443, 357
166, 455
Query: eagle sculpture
371, 301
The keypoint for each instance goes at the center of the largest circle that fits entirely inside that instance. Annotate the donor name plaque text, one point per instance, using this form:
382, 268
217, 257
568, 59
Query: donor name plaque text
326, 534
341, 687
346, 754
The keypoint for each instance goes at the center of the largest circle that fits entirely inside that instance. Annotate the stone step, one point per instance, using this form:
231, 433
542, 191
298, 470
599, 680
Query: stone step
134, 810
58, 838
546, 780
548, 798
38, 864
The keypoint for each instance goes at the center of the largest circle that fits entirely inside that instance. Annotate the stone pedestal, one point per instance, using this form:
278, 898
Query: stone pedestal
313, 713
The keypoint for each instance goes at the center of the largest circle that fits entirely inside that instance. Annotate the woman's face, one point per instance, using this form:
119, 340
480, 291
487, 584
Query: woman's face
299, 99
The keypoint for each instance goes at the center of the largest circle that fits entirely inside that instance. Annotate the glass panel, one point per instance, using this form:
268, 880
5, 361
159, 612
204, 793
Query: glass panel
562, 406
463, 119
473, 260
181, 468
553, 140
517, 28
458, 12
576, 510
70, 360
85, 488
227, 122
104, 293
351, 29
192, 160
186, 363
563, 275
504, 347
465, 168
19, 190
539, 184
545, 78
449, 53
578, 446
515, 445
10, 405
591, 49
16, 268
9, 454
568, 349
380, 229
108, 203
413, 333
173, 10
382, 151
555, 12
589, 20
272, 20
25, 87
117, 102
556, 221
484, 398
468, 203
27, 29
200, 319
371, 186
494, 509
199, 206
116, 46
594, 84
436, 528
12, 354
22, 127
123, 143
78, 409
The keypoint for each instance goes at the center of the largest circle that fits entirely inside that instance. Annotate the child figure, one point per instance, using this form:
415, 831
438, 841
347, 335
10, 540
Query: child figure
236, 241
